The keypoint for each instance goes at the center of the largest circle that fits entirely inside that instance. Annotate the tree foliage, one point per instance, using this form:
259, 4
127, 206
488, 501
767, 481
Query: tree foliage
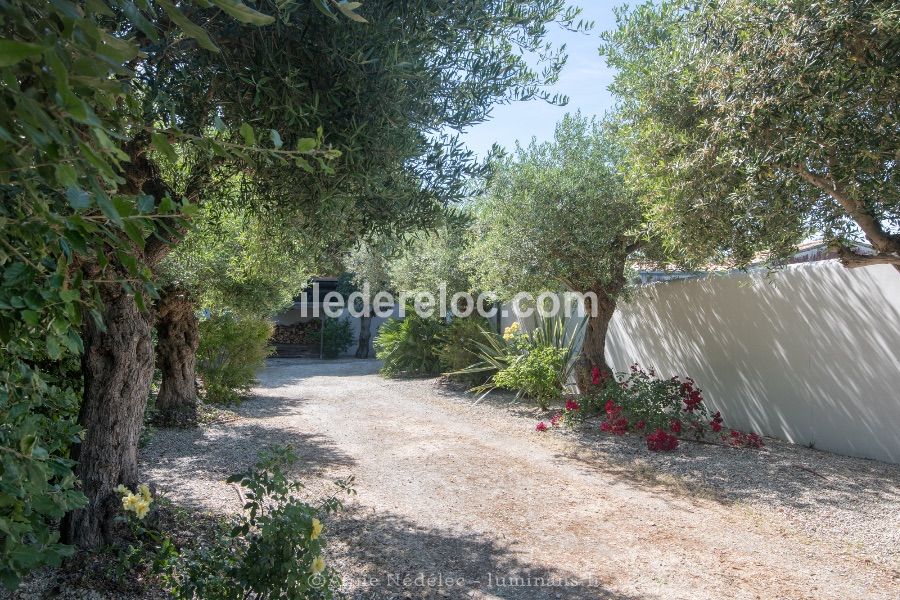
557, 215
755, 124
232, 261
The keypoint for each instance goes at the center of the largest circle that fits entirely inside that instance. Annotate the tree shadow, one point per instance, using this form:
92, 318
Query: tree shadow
209, 456
807, 354
384, 555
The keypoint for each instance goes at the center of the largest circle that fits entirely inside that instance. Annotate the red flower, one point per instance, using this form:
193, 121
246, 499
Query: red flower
555, 420
660, 441
640, 424
572, 405
716, 426
615, 426
595, 375
675, 426
612, 409
541, 426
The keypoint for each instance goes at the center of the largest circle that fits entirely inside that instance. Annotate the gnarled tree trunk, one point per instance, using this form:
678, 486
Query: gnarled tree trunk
365, 334
177, 339
117, 365
594, 346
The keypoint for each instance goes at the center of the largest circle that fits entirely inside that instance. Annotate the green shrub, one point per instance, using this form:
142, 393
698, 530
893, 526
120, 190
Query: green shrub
39, 400
459, 347
535, 374
272, 550
409, 346
336, 337
536, 364
231, 351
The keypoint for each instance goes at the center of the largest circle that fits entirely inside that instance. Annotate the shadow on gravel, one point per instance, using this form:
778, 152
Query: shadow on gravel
781, 473
384, 556
178, 455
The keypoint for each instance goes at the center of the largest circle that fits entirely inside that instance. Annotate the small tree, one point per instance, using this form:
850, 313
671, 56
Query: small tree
756, 124
431, 259
367, 273
557, 216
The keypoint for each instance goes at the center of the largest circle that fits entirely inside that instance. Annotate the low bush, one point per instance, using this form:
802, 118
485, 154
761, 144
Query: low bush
336, 337
409, 346
535, 374
273, 549
39, 400
663, 410
535, 364
231, 352
459, 346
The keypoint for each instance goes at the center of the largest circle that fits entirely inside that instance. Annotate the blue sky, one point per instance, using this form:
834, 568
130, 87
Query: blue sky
584, 79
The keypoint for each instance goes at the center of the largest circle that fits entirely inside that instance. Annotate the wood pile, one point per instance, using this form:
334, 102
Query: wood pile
298, 333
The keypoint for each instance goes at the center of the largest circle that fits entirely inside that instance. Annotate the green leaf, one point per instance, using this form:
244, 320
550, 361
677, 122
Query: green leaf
162, 145
190, 29
78, 198
306, 144
12, 51
31, 317
244, 13
246, 131
53, 349
276, 138
347, 9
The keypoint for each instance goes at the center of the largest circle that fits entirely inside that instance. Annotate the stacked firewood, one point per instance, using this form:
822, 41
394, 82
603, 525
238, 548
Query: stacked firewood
298, 333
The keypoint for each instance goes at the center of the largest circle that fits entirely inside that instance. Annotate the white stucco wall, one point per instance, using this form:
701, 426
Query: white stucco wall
810, 354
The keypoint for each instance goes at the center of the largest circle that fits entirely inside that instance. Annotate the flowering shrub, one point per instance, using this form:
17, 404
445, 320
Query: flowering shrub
739, 439
273, 549
662, 409
138, 503
661, 441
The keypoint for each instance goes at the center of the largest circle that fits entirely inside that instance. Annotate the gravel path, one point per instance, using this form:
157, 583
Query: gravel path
464, 500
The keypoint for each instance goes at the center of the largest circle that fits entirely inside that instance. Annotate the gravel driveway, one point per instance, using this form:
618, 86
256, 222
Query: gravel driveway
464, 500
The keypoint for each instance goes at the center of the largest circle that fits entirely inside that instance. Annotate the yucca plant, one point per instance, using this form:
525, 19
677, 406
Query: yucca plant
499, 354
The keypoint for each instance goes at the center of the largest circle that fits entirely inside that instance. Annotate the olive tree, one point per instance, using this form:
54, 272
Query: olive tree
232, 262
757, 124
558, 216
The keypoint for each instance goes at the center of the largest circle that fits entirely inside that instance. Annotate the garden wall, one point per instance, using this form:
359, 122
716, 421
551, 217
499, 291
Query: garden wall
810, 354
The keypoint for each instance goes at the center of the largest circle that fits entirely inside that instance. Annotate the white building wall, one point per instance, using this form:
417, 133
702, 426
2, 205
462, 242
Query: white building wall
810, 354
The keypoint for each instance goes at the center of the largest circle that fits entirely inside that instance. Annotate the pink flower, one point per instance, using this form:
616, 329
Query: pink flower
555, 420
541, 426
572, 405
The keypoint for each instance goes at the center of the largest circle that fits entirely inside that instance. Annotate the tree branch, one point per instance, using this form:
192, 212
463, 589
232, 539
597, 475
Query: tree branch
852, 259
884, 242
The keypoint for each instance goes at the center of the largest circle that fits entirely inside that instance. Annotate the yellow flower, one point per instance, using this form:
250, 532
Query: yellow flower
317, 566
130, 501
316, 529
121, 489
142, 507
144, 491
511, 331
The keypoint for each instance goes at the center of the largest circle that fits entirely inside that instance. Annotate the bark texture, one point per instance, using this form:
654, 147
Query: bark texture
594, 346
177, 339
365, 334
117, 366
